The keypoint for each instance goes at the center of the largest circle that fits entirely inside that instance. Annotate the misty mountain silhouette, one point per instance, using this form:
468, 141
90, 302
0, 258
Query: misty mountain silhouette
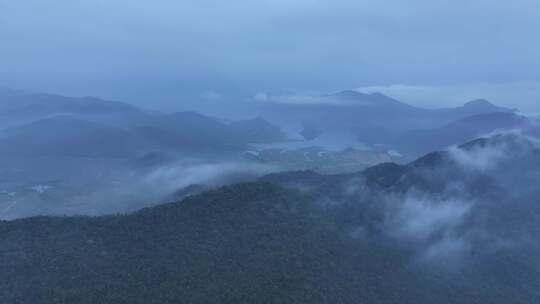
186, 132
47, 104
66, 136
354, 98
481, 105
418, 142
374, 118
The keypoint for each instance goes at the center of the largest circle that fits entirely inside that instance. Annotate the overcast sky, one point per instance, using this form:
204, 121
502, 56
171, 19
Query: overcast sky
428, 52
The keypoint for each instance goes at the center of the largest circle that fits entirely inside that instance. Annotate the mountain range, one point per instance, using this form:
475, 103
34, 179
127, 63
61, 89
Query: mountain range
354, 109
119, 146
48, 125
417, 142
372, 118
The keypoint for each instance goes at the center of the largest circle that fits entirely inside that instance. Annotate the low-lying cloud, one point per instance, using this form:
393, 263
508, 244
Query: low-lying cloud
421, 218
124, 189
481, 159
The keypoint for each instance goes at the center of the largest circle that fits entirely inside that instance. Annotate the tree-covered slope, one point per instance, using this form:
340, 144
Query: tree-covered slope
391, 234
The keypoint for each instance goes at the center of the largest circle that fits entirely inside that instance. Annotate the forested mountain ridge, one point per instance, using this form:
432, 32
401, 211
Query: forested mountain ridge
390, 234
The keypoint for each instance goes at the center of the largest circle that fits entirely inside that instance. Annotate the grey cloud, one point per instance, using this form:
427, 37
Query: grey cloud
176, 176
489, 157
419, 218
481, 159
127, 190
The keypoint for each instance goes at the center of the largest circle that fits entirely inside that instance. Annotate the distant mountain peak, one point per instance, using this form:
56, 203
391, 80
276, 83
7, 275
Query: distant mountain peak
370, 99
189, 114
497, 118
355, 95
259, 119
512, 142
351, 92
378, 94
480, 104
